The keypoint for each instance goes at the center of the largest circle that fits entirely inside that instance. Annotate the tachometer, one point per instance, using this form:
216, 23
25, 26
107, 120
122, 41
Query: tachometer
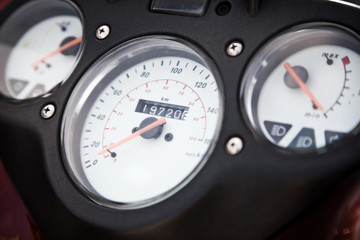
142, 122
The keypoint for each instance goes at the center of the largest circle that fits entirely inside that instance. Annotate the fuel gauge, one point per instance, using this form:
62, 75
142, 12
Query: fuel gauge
40, 44
302, 90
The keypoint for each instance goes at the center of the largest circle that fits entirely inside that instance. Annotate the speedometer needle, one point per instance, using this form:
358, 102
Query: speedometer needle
302, 85
159, 122
59, 50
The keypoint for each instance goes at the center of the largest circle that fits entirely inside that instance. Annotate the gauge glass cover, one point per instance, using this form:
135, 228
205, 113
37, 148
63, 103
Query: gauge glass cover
142, 122
40, 44
301, 91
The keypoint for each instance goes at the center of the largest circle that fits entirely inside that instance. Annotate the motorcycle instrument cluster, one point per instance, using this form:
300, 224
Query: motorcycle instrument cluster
146, 102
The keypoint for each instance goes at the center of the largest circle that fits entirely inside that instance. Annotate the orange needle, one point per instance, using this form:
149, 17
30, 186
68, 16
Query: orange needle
302, 85
59, 50
159, 122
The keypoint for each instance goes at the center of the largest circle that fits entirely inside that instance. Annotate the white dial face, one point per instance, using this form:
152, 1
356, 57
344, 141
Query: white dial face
149, 130
288, 116
302, 90
46, 55
145, 167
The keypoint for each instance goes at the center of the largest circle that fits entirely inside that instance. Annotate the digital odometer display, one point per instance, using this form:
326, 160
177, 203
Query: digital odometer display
162, 109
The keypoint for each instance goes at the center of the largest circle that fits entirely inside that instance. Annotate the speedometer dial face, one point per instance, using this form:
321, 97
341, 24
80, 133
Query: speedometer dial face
142, 122
302, 90
42, 50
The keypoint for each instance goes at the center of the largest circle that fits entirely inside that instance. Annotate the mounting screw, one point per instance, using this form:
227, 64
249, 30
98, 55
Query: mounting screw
48, 111
102, 32
234, 145
223, 8
234, 49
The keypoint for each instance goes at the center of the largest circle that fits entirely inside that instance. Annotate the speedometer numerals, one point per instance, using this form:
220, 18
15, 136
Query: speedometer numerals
150, 125
147, 99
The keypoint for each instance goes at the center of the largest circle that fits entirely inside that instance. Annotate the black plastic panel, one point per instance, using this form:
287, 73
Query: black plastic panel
248, 196
181, 7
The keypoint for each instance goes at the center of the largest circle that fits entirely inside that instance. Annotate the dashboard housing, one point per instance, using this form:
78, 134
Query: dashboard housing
251, 195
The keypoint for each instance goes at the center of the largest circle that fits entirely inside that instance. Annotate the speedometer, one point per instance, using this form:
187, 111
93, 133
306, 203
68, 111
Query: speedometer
142, 122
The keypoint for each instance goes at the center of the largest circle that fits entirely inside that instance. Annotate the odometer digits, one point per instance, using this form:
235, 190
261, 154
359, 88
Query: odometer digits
162, 109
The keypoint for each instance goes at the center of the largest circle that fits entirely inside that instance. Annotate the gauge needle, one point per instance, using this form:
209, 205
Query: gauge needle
159, 122
302, 85
57, 51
